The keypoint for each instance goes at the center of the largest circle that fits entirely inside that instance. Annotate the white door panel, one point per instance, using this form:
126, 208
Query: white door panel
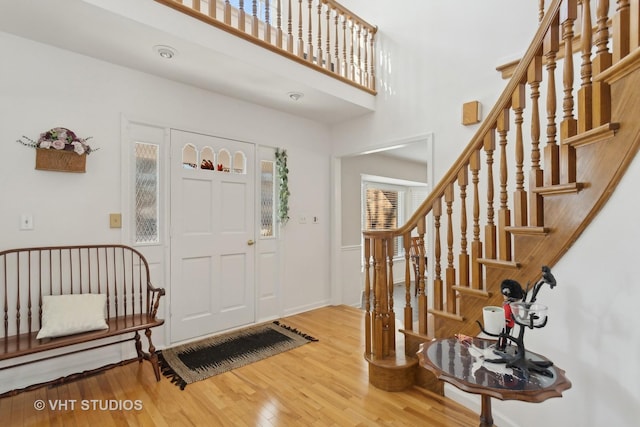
212, 221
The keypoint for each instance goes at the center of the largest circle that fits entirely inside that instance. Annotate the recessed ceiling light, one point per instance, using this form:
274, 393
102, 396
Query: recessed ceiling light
166, 52
295, 95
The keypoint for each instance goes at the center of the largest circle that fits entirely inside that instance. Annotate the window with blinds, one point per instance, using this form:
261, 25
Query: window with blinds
387, 203
382, 209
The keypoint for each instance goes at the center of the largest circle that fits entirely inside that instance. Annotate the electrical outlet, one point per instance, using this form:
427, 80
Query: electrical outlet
115, 220
302, 219
316, 220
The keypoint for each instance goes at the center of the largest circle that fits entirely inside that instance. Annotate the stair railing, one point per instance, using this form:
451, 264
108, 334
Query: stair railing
321, 34
494, 190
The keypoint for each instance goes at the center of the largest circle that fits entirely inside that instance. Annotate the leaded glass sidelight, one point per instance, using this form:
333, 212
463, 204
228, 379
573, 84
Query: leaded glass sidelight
147, 191
267, 198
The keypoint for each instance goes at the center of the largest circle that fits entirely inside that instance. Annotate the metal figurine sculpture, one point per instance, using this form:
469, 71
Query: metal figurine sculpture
527, 314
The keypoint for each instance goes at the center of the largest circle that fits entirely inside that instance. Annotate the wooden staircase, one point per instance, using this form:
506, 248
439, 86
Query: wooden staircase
511, 204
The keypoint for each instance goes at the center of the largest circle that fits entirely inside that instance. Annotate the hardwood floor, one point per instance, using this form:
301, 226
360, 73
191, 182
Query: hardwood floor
323, 383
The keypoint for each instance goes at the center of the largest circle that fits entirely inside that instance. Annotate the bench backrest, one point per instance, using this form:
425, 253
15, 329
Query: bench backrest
28, 274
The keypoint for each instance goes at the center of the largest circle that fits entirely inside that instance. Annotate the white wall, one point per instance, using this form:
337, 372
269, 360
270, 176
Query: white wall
592, 331
43, 87
432, 57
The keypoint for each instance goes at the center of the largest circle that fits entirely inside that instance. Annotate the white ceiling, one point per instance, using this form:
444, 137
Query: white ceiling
125, 32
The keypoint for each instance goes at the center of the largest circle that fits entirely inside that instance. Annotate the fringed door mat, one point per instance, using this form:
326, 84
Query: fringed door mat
199, 360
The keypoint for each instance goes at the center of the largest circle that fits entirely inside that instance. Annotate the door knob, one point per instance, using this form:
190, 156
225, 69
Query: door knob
250, 242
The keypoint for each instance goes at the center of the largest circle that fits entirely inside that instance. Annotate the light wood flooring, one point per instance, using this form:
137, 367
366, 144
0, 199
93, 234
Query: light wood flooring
322, 383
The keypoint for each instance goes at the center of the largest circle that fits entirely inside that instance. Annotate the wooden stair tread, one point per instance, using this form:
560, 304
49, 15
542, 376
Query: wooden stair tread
445, 314
498, 263
480, 293
416, 334
552, 190
528, 231
598, 134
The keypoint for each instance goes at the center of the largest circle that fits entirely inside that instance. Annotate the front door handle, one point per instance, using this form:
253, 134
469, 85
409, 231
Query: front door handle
250, 242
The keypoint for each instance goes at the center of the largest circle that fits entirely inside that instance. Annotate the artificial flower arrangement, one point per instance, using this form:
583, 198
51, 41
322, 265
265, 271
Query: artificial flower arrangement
59, 139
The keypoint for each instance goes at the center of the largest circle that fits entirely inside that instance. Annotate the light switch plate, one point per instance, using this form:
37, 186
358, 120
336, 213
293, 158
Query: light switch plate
26, 222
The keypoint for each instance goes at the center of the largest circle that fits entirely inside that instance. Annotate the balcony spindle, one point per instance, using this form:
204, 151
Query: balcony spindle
344, 71
227, 12
476, 244
378, 283
279, 24
536, 178
463, 257
489, 145
329, 60
364, 61
520, 195
621, 30
254, 18
338, 66
319, 53
585, 91
551, 151
408, 311
241, 16
569, 125
352, 69
290, 28
450, 273
267, 22
310, 32
300, 39
601, 94
504, 214
390, 330
213, 9
372, 61
422, 268
367, 294
438, 297
357, 76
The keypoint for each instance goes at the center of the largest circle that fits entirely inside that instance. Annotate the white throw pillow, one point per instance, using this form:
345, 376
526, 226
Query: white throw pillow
72, 314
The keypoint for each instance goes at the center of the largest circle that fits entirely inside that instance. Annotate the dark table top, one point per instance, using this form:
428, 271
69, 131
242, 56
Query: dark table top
462, 364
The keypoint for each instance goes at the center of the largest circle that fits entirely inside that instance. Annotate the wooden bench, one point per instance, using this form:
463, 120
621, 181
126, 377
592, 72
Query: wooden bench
117, 271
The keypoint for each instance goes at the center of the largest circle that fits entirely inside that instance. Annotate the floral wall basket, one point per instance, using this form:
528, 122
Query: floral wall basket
60, 160
59, 149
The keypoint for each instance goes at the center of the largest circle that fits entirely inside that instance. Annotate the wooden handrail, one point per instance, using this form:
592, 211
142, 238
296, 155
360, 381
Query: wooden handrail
478, 139
470, 257
344, 43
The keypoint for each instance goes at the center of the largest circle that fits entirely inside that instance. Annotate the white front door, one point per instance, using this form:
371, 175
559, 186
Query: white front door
212, 235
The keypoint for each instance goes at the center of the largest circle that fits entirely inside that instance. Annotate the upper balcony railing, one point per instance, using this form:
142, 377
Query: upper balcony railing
320, 34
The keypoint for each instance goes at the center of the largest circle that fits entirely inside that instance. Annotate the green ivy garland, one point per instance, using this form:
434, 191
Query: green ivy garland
283, 193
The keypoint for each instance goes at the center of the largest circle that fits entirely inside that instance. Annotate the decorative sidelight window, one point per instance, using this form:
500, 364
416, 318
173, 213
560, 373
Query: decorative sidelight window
267, 198
147, 193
